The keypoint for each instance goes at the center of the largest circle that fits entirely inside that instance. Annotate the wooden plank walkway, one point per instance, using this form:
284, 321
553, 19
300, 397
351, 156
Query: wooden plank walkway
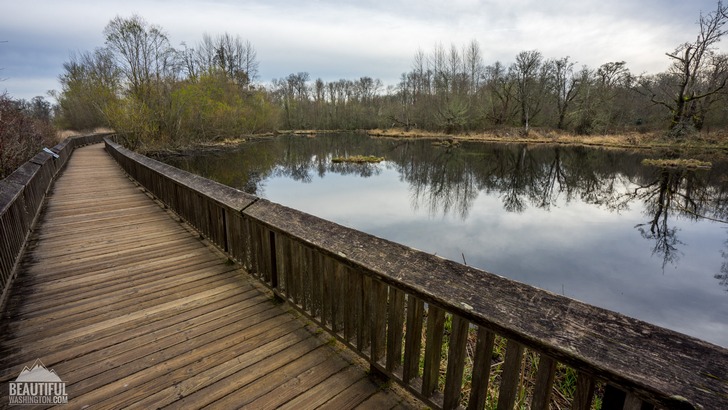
131, 309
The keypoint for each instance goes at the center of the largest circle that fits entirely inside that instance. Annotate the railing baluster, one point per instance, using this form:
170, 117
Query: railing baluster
348, 292
307, 286
394, 329
297, 272
632, 402
356, 284
273, 262
584, 391
511, 376
341, 274
316, 285
329, 285
291, 269
287, 265
455, 362
378, 322
481, 369
433, 345
334, 275
364, 339
544, 382
413, 339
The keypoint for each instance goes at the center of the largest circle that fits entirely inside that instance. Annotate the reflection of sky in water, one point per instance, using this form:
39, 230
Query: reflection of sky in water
575, 249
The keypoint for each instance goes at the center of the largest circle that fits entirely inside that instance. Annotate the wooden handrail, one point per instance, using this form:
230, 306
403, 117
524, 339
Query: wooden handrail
397, 307
21, 197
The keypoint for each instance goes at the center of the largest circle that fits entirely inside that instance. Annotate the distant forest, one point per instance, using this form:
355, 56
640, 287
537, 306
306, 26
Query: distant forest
156, 95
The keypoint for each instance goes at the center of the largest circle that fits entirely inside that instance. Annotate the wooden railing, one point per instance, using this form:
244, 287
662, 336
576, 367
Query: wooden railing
21, 196
435, 326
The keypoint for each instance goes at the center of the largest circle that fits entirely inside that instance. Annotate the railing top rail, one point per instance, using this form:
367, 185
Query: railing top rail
13, 184
9, 192
622, 349
664, 366
230, 197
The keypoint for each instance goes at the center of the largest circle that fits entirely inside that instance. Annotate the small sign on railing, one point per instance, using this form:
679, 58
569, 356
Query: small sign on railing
51, 152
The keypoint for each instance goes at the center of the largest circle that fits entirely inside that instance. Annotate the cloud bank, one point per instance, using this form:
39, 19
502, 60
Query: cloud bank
350, 39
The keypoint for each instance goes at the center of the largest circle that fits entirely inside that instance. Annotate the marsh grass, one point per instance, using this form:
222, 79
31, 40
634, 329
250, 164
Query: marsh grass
564, 387
677, 163
626, 140
358, 159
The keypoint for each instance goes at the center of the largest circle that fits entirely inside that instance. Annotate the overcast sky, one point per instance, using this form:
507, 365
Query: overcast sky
334, 39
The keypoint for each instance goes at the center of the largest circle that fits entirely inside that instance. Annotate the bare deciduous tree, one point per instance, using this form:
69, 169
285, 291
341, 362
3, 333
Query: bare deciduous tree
526, 71
143, 53
474, 65
565, 86
231, 55
693, 74
502, 89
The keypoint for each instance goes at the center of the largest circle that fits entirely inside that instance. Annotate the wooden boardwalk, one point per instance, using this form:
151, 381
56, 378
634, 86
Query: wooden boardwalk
132, 309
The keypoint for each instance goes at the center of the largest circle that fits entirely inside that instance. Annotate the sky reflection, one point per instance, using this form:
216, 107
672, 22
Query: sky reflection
573, 243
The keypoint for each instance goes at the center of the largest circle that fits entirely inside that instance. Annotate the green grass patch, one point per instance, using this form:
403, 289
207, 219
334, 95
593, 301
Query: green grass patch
677, 163
358, 159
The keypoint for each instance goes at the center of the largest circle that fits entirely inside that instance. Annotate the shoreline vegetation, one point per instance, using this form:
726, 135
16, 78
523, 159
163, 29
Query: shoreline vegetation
358, 159
629, 140
677, 163
712, 145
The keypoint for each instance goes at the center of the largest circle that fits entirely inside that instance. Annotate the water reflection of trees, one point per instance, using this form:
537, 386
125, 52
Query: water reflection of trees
439, 179
448, 179
671, 193
544, 177
521, 176
722, 276
660, 197
298, 158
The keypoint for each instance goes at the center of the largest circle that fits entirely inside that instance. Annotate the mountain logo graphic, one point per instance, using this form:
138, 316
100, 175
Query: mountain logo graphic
36, 385
38, 373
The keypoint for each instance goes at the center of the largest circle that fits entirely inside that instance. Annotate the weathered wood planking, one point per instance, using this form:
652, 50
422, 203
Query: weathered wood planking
132, 310
21, 196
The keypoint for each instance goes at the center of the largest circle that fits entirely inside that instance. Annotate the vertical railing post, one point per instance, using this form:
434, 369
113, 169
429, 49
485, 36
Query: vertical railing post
413, 339
223, 230
433, 346
455, 362
510, 377
584, 391
273, 261
544, 382
481, 369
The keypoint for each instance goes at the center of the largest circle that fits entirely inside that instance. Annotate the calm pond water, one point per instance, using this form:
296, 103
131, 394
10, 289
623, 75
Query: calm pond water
594, 225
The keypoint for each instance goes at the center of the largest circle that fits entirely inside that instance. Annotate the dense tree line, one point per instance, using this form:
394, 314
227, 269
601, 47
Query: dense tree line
155, 94
452, 89
25, 128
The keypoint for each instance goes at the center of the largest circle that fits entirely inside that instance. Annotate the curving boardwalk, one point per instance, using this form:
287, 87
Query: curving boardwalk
132, 309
